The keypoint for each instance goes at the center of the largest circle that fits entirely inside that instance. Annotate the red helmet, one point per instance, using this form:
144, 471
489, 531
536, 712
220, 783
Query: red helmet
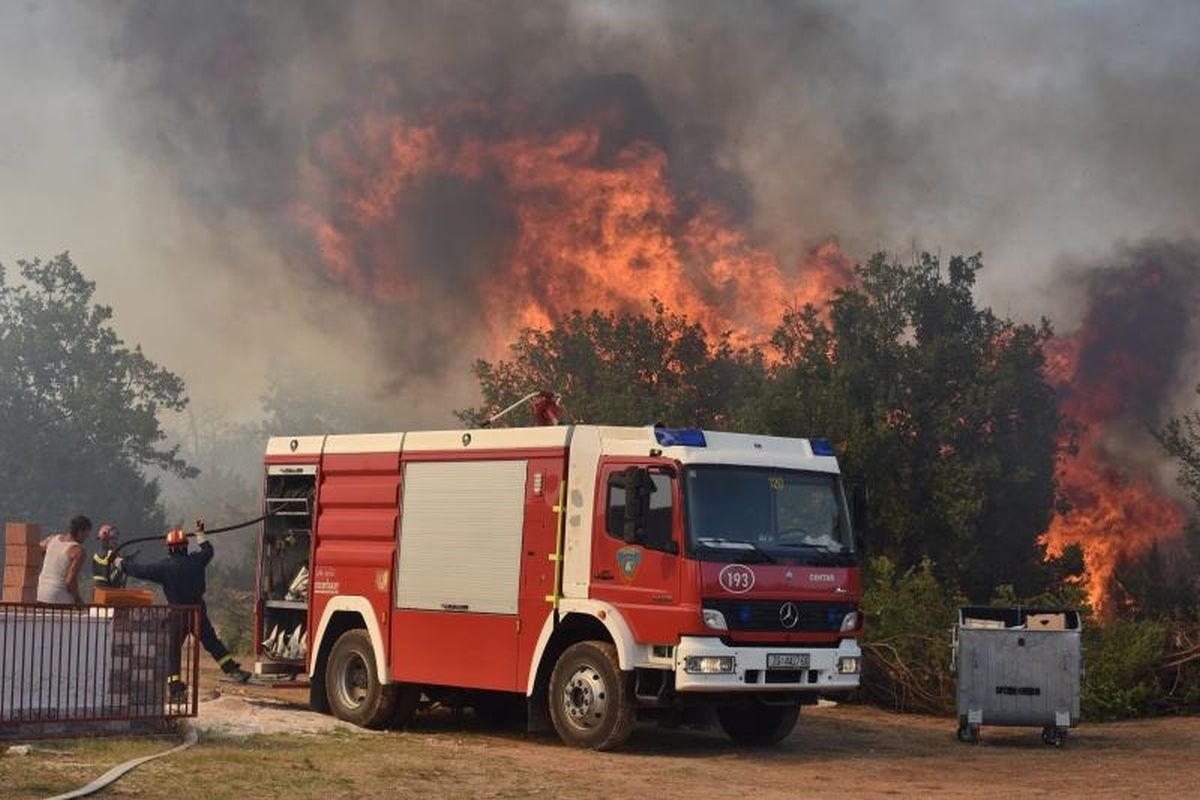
107, 532
176, 538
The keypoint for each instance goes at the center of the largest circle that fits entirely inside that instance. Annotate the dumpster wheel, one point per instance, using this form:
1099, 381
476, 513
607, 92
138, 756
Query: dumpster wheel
1054, 736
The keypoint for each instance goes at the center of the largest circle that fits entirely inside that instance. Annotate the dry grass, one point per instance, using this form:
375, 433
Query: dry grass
838, 752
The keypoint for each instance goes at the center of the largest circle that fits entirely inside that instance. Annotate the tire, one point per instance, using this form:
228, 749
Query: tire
591, 701
758, 724
352, 684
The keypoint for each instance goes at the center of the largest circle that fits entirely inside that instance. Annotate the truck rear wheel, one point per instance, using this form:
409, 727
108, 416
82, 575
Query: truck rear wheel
591, 704
758, 724
352, 684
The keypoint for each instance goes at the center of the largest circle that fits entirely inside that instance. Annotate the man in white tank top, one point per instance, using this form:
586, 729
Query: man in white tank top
59, 580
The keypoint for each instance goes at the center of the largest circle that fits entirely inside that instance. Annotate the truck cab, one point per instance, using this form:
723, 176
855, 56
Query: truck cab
595, 574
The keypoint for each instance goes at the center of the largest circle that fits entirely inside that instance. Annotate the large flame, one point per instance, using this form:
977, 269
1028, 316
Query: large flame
571, 217
1105, 376
581, 225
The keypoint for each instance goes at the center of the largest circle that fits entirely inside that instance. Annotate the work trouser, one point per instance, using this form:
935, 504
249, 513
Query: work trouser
208, 637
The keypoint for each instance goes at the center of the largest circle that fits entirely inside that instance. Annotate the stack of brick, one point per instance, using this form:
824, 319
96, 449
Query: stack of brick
137, 679
22, 562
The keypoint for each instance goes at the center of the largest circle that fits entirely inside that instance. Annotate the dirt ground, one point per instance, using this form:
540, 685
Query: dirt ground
843, 751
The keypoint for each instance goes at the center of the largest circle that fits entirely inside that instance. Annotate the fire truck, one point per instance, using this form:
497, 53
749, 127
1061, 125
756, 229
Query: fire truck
584, 575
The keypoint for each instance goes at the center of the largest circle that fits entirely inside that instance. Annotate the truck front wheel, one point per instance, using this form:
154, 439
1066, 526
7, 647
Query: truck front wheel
758, 724
352, 685
591, 704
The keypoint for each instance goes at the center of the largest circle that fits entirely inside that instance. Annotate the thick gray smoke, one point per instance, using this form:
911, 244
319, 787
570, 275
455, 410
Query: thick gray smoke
169, 143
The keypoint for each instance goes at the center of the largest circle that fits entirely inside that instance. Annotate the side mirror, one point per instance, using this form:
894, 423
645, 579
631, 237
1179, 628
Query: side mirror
859, 500
635, 509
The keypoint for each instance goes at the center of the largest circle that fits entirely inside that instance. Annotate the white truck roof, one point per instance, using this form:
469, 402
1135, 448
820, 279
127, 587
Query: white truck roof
687, 446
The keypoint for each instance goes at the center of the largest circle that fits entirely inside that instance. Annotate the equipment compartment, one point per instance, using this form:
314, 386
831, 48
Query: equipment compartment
284, 551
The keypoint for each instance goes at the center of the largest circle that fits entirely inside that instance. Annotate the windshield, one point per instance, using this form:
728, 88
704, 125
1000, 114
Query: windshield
762, 514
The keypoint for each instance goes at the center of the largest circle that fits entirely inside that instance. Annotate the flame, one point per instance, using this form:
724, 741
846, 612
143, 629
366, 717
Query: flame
1102, 379
582, 218
583, 225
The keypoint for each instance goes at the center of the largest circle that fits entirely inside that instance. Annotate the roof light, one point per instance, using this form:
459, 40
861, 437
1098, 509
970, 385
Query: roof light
821, 447
680, 437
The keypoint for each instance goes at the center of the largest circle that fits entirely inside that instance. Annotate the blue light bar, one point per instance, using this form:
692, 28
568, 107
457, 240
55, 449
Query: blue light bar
821, 447
680, 437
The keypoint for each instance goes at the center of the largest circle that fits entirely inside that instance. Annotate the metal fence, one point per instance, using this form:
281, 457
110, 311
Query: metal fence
61, 666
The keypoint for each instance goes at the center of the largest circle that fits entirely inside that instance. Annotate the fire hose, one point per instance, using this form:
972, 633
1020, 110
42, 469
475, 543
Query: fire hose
190, 738
209, 531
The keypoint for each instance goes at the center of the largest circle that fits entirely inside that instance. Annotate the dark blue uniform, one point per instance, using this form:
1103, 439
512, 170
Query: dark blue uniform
181, 575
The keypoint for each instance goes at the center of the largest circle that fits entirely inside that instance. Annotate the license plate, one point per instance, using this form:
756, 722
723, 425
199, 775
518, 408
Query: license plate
787, 661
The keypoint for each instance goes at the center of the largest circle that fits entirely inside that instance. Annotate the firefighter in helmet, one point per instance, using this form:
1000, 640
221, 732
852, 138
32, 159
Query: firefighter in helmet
106, 565
181, 575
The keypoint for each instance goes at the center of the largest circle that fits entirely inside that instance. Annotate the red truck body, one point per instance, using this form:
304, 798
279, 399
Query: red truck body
470, 563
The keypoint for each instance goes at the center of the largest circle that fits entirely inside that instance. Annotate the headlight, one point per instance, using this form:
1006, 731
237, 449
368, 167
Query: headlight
850, 621
714, 619
709, 664
849, 665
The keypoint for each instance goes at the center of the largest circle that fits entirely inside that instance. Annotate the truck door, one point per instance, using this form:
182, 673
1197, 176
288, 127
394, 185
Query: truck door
641, 578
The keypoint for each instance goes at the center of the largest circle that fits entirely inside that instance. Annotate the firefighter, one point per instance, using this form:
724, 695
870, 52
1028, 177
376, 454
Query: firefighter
106, 568
181, 575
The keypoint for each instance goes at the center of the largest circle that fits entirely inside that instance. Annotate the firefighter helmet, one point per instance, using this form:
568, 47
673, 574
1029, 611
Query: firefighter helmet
108, 532
176, 538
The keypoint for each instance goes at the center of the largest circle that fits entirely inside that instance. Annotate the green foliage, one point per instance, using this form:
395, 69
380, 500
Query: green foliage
907, 644
940, 406
1180, 437
79, 410
1121, 657
623, 369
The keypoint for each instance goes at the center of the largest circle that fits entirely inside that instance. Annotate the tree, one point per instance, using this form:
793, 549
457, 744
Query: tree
624, 369
940, 406
79, 410
1180, 437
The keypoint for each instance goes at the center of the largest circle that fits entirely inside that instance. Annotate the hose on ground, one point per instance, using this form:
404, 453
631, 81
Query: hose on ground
190, 737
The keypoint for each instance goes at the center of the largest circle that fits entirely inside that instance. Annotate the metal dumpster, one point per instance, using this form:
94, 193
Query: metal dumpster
1017, 666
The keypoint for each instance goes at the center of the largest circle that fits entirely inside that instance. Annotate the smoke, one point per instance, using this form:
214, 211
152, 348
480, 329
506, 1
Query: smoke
178, 149
1132, 361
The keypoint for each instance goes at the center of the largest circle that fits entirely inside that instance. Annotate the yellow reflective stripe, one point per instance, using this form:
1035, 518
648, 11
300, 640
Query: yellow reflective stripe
173, 679
228, 657
100, 560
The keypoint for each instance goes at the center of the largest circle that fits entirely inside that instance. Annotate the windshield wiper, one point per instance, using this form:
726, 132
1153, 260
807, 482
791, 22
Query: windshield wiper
821, 548
721, 543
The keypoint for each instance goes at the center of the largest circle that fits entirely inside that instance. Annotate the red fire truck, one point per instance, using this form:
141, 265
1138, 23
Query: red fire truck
591, 573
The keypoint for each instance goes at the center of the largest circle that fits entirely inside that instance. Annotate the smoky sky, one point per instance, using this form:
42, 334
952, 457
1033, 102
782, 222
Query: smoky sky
165, 144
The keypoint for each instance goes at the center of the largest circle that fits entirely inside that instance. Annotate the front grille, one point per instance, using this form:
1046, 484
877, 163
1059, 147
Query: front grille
766, 615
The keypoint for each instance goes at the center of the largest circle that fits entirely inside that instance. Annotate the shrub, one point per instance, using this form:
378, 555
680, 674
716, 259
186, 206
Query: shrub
907, 639
1120, 657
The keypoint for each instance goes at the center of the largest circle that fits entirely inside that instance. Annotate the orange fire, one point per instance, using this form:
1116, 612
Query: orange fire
581, 224
1112, 515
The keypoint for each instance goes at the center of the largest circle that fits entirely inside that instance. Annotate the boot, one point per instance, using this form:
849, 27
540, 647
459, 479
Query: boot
233, 670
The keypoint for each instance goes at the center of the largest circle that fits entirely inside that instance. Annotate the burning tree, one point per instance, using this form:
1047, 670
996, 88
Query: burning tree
941, 405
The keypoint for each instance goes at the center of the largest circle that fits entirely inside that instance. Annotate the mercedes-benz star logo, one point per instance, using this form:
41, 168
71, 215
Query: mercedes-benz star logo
789, 615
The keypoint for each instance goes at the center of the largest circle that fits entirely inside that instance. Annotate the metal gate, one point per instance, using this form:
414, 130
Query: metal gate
82, 670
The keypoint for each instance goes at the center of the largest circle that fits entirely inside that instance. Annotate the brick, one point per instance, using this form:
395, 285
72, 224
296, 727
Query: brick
15, 594
20, 575
22, 555
22, 533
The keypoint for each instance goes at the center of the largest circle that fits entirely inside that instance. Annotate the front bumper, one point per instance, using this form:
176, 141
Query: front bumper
750, 668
